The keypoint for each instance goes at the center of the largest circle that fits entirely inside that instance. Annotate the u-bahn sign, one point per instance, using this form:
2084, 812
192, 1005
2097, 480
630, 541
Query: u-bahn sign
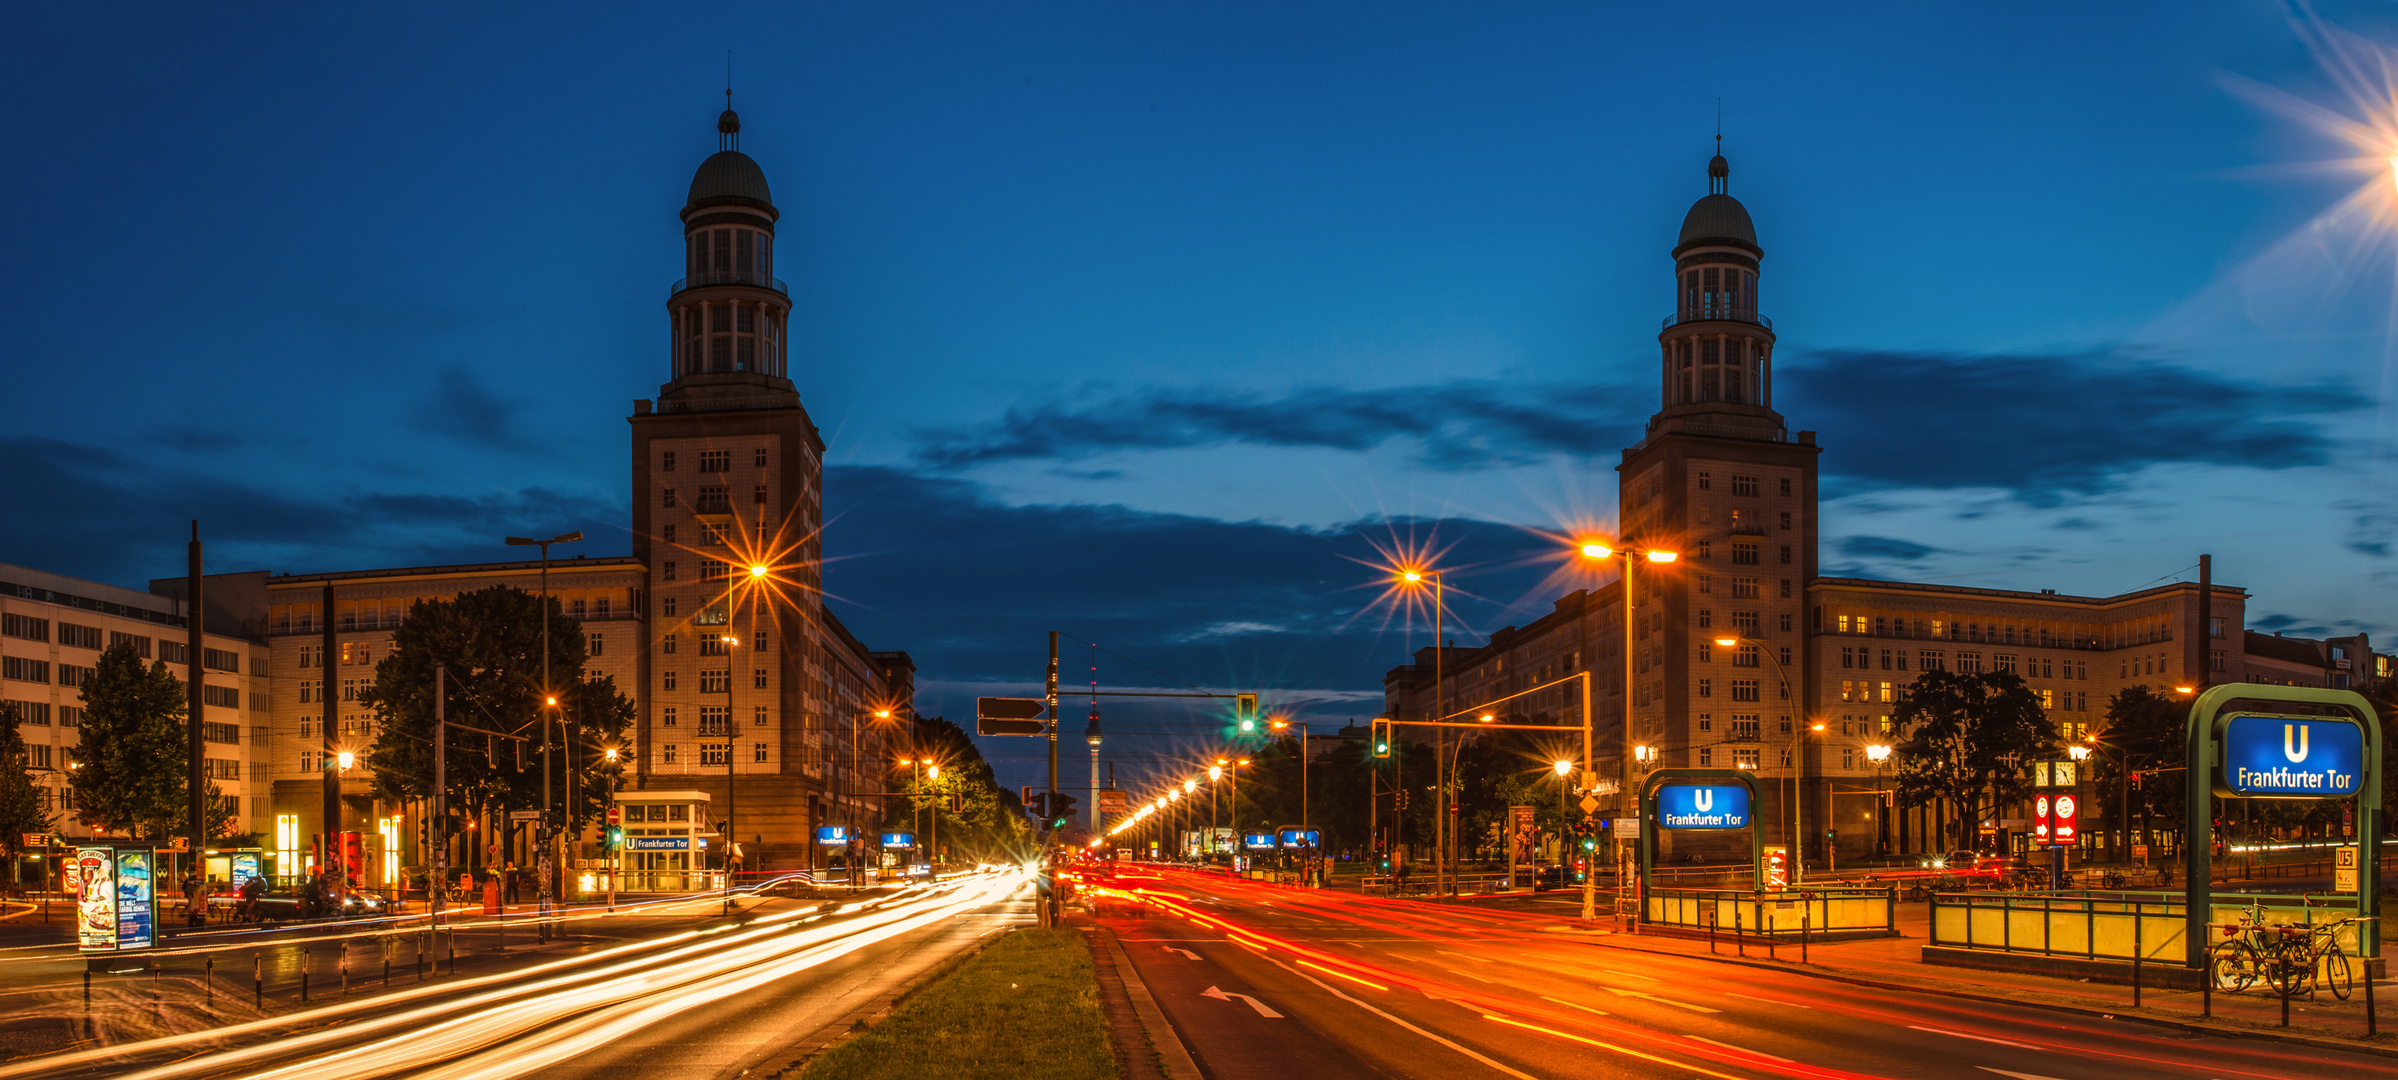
1703, 806
2291, 757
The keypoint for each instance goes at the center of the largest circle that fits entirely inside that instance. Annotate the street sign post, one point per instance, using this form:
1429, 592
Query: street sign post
2343, 870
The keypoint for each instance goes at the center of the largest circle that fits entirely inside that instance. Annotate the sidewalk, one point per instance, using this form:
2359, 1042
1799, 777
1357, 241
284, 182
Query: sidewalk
1897, 963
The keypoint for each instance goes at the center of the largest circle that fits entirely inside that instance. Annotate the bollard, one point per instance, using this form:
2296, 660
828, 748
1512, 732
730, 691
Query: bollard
453, 951
2206, 991
207, 982
257, 984
158, 1005
1806, 927
2368, 996
420, 959
87, 990
387, 965
2136, 957
1739, 940
1711, 930
344, 963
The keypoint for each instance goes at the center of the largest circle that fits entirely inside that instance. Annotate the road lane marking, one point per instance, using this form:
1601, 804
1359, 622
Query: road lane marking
1621, 992
1572, 1005
1260, 1006
1468, 974
1769, 1001
1976, 1038
2016, 1075
1343, 974
1735, 1047
1185, 952
1335, 991
1610, 1046
1627, 975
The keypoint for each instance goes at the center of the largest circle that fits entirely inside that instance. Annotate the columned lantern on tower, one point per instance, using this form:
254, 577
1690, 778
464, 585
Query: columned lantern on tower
1717, 348
729, 312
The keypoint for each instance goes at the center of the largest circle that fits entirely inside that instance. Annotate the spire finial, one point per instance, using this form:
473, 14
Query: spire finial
728, 126
1719, 171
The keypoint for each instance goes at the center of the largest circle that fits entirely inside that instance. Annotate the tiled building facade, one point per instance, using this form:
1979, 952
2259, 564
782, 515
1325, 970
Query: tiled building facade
1720, 480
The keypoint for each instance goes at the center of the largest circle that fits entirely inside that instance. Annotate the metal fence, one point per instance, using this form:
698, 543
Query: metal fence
1827, 910
2107, 925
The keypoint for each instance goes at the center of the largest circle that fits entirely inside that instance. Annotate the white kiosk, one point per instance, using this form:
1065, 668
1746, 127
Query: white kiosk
665, 842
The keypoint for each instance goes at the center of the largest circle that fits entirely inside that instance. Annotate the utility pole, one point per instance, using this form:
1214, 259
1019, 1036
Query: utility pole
195, 622
441, 787
549, 708
327, 694
1048, 896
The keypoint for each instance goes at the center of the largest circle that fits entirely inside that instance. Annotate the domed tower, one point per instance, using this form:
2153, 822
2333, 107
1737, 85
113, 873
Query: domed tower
1721, 482
729, 312
1717, 348
727, 475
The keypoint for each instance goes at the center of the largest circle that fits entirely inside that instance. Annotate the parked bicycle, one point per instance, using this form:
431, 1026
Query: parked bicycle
2246, 956
2312, 954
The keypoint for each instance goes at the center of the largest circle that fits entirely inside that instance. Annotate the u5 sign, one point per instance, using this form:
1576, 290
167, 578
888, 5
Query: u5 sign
2291, 757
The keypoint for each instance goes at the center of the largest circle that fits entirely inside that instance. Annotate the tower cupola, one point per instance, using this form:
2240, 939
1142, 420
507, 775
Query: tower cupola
729, 314
1718, 350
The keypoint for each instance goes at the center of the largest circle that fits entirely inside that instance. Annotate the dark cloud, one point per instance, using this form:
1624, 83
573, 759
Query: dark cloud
1882, 547
192, 440
131, 518
2044, 425
971, 587
462, 408
1453, 426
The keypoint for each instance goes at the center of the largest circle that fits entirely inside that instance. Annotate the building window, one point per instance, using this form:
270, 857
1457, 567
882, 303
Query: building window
309, 760
1706, 651
715, 461
666, 497
1706, 583
1744, 588
1785, 554
70, 716
666, 607
713, 753
1744, 622
81, 637
759, 720
1743, 554
1786, 513
712, 500
24, 670
1785, 596
669, 576
666, 755
759, 753
1969, 663
712, 645
1785, 490
1705, 480
1706, 618
1706, 688
1747, 656
599, 645
760, 681
72, 676
666, 679
1706, 756
715, 681
1743, 485
666, 716
712, 569
761, 495
1744, 690
25, 626
666, 643
711, 720
1705, 550
1744, 759
667, 465
1706, 721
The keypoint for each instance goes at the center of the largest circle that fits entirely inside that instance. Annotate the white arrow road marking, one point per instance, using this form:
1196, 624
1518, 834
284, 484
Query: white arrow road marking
1185, 952
1739, 1049
1621, 992
2016, 1075
1260, 1006
1976, 1038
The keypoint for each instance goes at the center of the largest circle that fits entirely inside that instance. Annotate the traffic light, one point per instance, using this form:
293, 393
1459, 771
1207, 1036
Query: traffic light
1244, 712
1380, 738
615, 837
1039, 805
1061, 810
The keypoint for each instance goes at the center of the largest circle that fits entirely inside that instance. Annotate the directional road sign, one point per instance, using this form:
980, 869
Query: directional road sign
1010, 716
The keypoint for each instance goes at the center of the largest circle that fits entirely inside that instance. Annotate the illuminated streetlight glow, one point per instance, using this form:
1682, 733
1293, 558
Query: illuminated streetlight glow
2079, 753
757, 571
1486, 718
1190, 785
1215, 772
1596, 551
1411, 576
1876, 752
1727, 642
345, 759
1664, 556
1562, 766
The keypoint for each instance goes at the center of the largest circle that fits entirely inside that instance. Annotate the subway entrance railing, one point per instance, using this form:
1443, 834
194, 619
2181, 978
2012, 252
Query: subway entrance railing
1826, 913
2111, 925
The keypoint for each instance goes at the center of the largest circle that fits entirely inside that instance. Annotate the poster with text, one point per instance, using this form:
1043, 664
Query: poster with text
95, 899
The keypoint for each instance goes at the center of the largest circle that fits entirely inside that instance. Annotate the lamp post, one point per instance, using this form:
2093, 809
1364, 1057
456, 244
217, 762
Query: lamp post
1283, 725
549, 709
1440, 708
1629, 556
1189, 807
850, 801
1215, 774
1793, 835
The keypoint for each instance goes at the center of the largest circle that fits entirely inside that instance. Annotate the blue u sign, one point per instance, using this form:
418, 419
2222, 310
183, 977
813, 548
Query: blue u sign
2288, 757
1703, 806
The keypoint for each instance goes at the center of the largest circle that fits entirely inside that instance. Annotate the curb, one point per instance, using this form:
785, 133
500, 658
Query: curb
2314, 1041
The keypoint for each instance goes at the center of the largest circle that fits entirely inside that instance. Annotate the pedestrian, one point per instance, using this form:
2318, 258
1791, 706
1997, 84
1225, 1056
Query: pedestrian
252, 891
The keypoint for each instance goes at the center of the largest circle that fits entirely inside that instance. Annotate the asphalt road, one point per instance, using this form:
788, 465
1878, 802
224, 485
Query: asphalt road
1273, 982
695, 996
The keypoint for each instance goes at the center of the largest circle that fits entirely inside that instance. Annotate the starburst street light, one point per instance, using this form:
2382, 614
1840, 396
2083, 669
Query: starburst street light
1562, 767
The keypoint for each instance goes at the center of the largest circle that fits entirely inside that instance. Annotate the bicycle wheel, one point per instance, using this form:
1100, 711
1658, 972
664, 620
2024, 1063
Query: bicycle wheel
2229, 967
2337, 974
2289, 968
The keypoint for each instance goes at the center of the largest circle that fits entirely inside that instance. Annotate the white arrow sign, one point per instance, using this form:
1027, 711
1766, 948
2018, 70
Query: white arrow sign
1185, 952
1260, 1006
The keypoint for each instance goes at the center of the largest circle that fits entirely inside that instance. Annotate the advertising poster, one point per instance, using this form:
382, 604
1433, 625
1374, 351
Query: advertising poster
245, 867
95, 899
136, 900
1525, 834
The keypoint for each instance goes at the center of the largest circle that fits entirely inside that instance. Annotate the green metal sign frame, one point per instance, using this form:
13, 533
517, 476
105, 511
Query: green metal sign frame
1681, 777
2204, 736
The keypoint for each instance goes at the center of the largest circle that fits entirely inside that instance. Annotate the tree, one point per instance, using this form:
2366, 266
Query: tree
130, 765
1967, 738
23, 806
2145, 730
989, 824
489, 641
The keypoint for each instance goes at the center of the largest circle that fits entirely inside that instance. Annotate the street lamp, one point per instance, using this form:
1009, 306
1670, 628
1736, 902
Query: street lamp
1628, 556
1794, 836
1440, 709
1281, 724
1878, 753
731, 799
552, 836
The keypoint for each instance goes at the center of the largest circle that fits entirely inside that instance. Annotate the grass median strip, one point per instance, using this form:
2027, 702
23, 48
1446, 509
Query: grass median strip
1027, 1006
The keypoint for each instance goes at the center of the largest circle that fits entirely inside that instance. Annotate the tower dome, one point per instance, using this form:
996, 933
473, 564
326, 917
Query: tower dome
729, 178
1718, 349
1717, 217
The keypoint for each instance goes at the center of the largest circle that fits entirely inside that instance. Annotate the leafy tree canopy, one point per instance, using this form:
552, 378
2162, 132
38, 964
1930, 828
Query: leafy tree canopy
130, 763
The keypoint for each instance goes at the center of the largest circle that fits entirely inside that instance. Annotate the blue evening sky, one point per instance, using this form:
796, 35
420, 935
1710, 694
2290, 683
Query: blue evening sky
1145, 322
